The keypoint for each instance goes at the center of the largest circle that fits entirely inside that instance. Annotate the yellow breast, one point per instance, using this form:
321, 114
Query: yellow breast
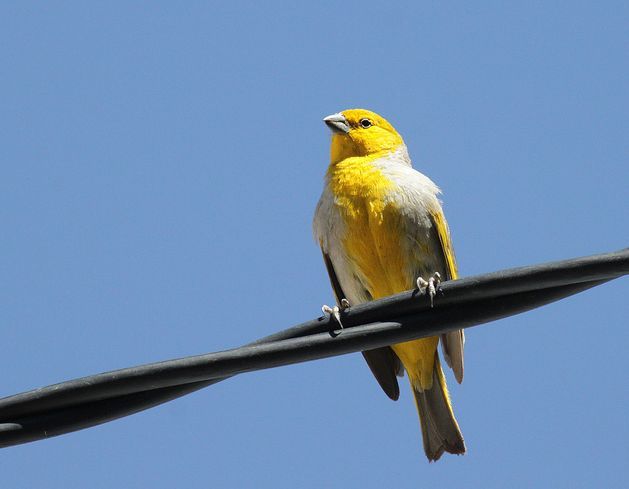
374, 229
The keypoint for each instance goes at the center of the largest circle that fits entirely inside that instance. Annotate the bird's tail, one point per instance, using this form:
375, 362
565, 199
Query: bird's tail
440, 431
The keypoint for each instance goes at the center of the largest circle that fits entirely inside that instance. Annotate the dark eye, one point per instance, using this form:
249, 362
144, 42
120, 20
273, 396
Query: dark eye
365, 123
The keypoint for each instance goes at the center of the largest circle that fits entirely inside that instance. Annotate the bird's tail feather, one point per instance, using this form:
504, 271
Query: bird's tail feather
440, 431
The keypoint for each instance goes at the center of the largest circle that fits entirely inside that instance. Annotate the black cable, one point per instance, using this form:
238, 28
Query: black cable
88, 401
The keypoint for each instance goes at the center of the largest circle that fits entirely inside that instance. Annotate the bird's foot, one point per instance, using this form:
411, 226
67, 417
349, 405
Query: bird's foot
335, 312
429, 286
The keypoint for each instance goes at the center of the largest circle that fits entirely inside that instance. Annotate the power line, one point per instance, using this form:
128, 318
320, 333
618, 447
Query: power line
88, 401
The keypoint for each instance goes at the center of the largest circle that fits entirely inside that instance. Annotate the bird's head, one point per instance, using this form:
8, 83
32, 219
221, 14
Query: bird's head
359, 132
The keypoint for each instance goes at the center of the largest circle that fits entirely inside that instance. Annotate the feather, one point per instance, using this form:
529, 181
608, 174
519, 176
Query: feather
451, 343
382, 362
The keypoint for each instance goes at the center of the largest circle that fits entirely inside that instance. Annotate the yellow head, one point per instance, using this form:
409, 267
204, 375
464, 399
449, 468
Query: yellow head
359, 132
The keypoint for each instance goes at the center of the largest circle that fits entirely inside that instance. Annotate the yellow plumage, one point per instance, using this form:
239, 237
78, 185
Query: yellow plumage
380, 226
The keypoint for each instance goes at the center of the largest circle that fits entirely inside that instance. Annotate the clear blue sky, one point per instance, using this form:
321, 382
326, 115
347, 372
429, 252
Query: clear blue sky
160, 166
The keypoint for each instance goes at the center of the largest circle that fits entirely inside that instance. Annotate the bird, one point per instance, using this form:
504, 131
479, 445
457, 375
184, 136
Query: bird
381, 229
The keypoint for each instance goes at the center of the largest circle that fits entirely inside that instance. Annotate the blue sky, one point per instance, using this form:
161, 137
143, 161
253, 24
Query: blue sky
160, 166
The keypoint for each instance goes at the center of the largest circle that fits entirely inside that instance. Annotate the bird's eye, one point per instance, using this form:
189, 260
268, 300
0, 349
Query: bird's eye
365, 123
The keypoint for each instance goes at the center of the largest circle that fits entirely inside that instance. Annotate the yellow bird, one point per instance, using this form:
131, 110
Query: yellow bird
381, 229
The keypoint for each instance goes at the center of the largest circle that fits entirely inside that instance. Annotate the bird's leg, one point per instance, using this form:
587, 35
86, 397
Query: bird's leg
335, 311
429, 286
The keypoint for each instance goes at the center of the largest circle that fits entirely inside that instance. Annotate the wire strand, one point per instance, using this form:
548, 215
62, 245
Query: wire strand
88, 401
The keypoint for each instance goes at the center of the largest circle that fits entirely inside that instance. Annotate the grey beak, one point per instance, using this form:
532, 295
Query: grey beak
337, 122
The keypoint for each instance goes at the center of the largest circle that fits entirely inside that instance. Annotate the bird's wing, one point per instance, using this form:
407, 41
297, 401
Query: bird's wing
451, 343
383, 363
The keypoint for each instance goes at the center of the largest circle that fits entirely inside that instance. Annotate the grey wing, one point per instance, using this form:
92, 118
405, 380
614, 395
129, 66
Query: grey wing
452, 347
427, 229
383, 362
452, 343
384, 365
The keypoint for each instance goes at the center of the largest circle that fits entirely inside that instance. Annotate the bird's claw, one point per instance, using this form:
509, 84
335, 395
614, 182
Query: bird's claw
335, 312
429, 286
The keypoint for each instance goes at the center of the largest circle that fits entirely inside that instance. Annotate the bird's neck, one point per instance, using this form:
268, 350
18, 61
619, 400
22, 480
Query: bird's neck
358, 180
359, 172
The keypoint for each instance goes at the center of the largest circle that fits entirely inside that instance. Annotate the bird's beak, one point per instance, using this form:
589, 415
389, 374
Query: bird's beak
337, 122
